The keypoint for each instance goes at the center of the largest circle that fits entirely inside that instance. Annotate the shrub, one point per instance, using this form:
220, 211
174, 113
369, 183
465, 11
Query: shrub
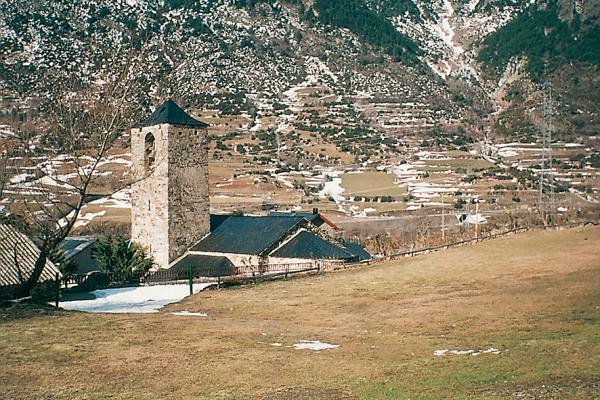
460, 203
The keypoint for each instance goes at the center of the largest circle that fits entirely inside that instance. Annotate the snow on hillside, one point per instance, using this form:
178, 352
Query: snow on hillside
448, 35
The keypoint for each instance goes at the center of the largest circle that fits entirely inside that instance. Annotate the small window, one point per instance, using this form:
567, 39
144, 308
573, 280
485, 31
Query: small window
150, 151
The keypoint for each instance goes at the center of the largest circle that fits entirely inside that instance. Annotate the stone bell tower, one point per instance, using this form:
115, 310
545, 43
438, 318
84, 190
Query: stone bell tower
170, 208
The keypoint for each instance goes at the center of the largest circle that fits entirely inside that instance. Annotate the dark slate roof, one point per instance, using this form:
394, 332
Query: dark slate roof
11, 241
312, 217
217, 219
315, 217
171, 113
204, 265
246, 234
72, 246
308, 245
358, 251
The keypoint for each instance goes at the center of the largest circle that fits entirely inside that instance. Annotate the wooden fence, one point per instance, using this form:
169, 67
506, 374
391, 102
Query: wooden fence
99, 280
103, 279
259, 273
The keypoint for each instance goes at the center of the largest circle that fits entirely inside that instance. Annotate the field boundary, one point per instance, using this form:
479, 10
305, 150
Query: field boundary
445, 246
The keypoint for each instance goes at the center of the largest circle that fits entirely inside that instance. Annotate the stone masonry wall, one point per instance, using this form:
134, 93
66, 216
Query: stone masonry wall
149, 198
189, 203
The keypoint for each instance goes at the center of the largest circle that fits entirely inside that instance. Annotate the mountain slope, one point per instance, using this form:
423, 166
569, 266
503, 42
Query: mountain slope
553, 42
458, 60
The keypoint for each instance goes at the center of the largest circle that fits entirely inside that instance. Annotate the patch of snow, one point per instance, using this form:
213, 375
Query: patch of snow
120, 199
229, 182
6, 131
314, 345
508, 152
444, 352
257, 125
321, 68
189, 314
333, 189
445, 30
283, 178
82, 220
142, 299
21, 178
116, 160
475, 219
471, 5
490, 350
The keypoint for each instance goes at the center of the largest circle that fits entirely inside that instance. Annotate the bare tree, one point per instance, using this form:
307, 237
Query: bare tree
83, 122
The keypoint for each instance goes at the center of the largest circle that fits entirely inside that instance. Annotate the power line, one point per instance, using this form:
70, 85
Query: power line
546, 171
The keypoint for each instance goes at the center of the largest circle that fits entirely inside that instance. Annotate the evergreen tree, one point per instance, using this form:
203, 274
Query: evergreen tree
116, 254
544, 39
67, 266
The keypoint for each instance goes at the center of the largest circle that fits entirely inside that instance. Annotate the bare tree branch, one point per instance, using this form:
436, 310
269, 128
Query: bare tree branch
83, 122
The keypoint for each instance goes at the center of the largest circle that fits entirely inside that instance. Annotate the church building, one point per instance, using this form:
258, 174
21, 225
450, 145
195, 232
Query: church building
171, 217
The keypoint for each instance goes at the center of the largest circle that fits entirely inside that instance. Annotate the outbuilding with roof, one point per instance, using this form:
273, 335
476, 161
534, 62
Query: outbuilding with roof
18, 255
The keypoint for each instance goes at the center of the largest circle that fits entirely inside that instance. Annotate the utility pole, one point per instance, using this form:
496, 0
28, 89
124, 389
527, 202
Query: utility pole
549, 137
542, 170
278, 146
476, 218
443, 224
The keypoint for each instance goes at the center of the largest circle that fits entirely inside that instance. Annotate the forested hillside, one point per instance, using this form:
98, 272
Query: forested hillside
546, 40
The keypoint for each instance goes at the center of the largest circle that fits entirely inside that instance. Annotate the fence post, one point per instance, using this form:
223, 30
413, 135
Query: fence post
191, 280
219, 282
57, 293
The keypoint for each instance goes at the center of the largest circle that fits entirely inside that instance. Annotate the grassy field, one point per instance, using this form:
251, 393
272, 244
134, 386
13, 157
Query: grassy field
371, 184
466, 163
532, 296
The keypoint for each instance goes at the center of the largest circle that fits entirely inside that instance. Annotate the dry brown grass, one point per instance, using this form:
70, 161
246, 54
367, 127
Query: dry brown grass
371, 184
534, 296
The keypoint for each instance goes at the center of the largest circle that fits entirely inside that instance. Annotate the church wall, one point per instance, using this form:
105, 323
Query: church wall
250, 260
189, 203
150, 203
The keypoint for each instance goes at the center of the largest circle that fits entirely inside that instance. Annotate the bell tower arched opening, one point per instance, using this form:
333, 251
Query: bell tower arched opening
149, 151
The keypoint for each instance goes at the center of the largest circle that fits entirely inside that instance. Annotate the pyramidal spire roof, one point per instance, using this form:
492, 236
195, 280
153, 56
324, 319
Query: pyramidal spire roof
171, 113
